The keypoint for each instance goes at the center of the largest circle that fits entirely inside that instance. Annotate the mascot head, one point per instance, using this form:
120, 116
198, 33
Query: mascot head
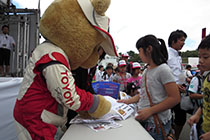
80, 28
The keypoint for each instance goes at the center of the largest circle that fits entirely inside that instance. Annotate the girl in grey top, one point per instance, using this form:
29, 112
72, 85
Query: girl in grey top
160, 83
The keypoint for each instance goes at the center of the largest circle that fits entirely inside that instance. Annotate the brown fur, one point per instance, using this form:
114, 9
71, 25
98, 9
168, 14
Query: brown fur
65, 25
89, 63
101, 6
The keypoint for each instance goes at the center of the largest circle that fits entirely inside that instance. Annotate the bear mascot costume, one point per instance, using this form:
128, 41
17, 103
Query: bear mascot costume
75, 31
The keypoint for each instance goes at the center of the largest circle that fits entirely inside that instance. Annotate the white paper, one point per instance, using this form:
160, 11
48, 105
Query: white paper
193, 132
123, 96
111, 100
78, 120
103, 126
123, 110
119, 111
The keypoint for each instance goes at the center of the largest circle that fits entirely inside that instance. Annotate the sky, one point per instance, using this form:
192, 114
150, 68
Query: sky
133, 19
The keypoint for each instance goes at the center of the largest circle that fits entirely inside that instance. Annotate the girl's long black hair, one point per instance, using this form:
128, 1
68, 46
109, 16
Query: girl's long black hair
159, 51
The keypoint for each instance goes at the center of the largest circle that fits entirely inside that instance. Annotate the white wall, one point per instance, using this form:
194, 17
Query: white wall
109, 59
9, 88
193, 61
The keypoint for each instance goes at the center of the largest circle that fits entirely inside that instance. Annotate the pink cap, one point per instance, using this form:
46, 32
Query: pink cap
125, 55
136, 65
122, 63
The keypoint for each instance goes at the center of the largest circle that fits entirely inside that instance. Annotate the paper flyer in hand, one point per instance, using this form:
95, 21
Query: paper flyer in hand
123, 96
119, 111
193, 132
123, 110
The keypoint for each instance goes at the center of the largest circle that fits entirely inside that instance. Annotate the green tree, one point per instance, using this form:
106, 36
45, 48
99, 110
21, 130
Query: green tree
187, 54
190, 54
134, 57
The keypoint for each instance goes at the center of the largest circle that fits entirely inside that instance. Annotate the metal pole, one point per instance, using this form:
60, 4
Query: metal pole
26, 52
24, 46
18, 49
38, 22
8, 3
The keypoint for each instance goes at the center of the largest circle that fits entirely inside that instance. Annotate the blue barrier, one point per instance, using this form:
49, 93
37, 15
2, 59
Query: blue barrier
106, 88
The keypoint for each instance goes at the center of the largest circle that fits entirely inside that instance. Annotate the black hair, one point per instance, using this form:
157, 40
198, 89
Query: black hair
205, 43
159, 51
131, 87
188, 66
175, 35
110, 64
4, 27
116, 69
109, 67
105, 73
102, 56
101, 66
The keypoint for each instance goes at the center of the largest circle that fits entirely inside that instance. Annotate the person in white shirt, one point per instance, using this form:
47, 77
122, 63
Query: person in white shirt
7, 44
188, 74
108, 74
194, 89
176, 41
99, 73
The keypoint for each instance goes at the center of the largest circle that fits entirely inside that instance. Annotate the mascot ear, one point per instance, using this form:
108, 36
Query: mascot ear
101, 6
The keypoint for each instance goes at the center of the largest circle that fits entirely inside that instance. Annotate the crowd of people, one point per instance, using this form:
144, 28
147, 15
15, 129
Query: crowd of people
57, 81
157, 88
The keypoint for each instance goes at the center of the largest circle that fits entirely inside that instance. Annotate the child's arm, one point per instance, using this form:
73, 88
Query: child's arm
195, 96
172, 99
114, 78
131, 100
195, 118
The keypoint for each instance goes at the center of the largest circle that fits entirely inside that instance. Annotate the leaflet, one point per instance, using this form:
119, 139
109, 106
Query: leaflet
193, 132
119, 111
123, 110
103, 126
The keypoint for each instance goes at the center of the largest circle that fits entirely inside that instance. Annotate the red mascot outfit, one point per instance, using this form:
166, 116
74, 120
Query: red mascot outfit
48, 89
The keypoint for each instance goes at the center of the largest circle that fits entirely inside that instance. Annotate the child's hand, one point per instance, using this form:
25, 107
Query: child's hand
144, 114
205, 136
193, 119
182, 89
123, 101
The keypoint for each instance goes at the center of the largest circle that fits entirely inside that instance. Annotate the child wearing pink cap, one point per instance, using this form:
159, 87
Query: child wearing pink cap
136, 79
122, 77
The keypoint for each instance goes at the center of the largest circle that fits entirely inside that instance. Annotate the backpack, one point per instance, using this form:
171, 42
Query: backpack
199, 83
195, 102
